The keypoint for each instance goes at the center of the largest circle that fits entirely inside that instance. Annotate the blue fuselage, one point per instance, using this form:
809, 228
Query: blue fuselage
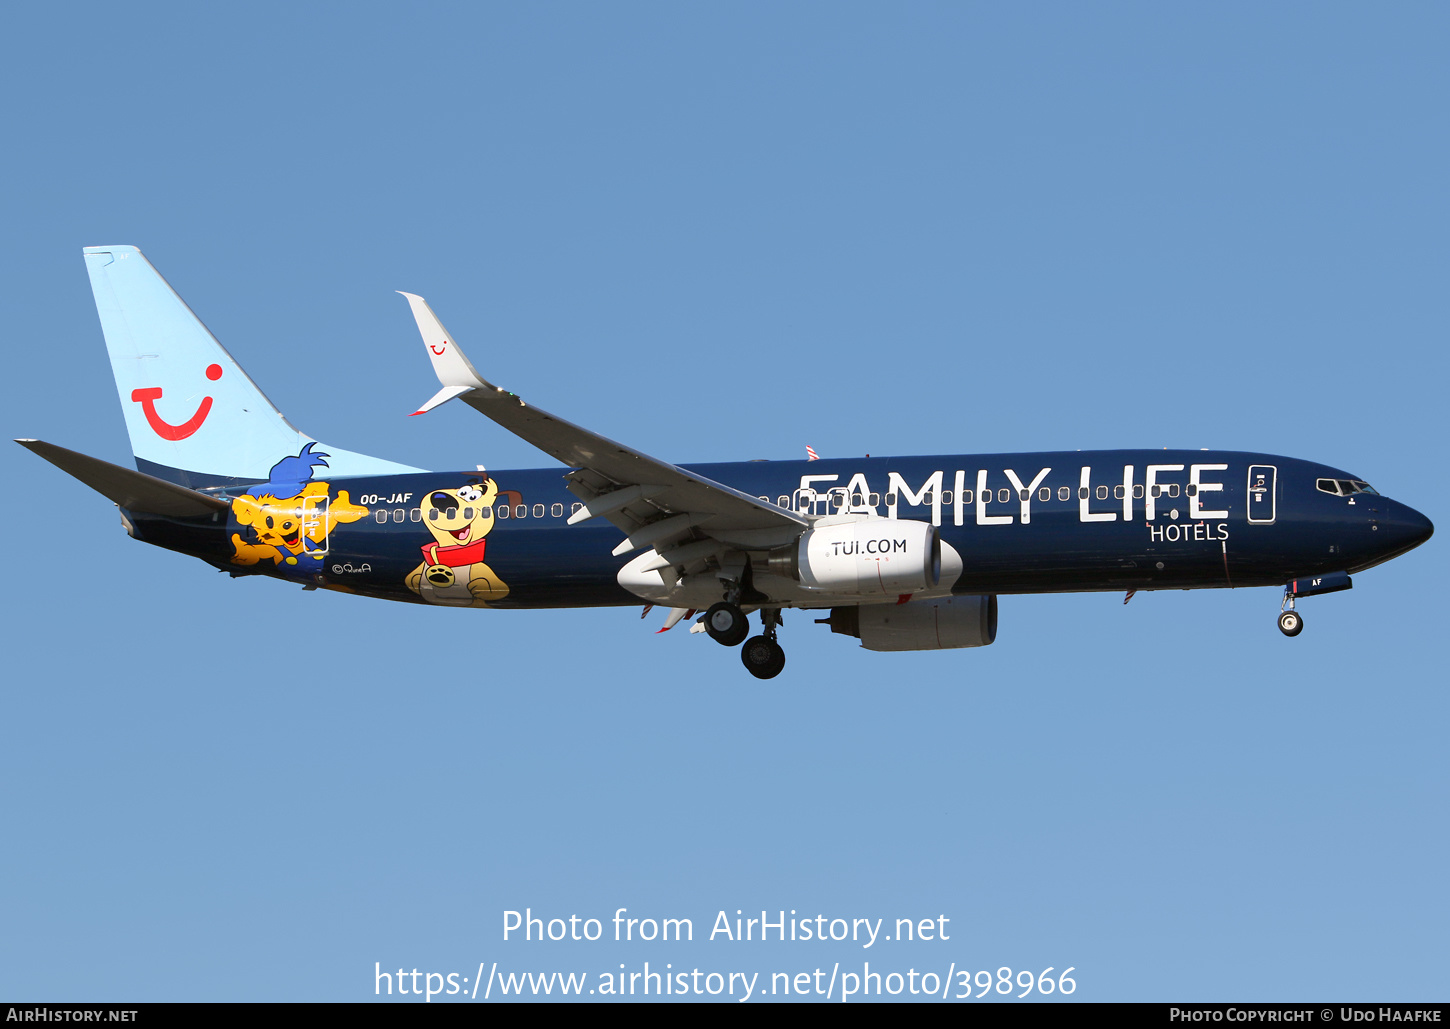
1021, 523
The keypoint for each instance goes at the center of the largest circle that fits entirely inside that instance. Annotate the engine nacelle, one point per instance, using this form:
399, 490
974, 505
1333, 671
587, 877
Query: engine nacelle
870, 557
943, 623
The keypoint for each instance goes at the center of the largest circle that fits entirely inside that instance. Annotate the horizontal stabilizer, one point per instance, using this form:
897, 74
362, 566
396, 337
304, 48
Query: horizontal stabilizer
134, 491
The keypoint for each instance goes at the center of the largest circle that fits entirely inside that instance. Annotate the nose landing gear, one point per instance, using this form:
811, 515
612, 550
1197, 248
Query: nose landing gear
1291, 623
761, 655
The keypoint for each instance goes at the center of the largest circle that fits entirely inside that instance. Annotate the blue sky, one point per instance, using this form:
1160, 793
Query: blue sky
714, 232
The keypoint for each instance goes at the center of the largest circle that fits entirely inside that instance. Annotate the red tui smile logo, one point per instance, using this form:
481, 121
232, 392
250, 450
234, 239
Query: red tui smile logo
147, 399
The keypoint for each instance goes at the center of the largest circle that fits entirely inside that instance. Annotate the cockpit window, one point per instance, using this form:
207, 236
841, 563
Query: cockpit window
1344, 487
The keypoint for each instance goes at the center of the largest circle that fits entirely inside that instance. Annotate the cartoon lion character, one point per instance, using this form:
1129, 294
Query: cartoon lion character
453, 571
291, 516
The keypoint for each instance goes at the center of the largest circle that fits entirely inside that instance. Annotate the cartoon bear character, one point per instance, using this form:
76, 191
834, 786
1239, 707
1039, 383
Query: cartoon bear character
453, 571
287, 513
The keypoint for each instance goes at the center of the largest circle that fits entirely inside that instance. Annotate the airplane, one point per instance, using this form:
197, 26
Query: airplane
907, 553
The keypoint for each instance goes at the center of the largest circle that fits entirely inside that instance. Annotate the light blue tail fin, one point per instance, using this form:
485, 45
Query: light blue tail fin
194, 416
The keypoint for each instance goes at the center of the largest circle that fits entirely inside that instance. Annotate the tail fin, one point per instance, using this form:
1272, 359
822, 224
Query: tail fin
194, 416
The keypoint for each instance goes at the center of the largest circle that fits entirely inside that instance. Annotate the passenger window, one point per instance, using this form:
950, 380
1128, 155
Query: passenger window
1044, 494
432, 514
875, 499
468, 514
503, 511
1004, 495
1023, 494
986, 496
1063, 493
1138, 492
1157, 490
891, 500
399, 514
575, 508
1118, 492
521, 511
557, 511
1102, 493
1173, 489
538, 510
1190, 490
946, 498
381, 516
968, 496
782, 501
1082, 493
415, 515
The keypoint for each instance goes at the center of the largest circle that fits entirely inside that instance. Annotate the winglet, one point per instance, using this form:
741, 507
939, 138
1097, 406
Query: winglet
444, 395
674, 617
455, 372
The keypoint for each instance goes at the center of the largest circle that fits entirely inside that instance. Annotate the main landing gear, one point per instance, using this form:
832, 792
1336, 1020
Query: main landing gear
728, 625
761, 655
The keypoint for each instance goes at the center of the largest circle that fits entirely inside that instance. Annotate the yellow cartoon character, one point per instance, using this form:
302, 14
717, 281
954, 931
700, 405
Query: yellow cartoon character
290, 516
453, 571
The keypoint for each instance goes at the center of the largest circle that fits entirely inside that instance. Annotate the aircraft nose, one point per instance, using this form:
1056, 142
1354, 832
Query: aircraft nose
1407, 527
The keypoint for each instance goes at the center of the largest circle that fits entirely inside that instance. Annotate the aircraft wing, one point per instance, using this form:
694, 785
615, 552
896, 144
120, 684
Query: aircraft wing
656, 504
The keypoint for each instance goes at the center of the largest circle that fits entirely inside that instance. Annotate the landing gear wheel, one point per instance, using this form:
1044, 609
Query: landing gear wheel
763, 657
1290, 624
726, 624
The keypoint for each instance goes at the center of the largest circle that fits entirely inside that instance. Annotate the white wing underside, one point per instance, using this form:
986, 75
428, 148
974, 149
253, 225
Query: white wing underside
685, 521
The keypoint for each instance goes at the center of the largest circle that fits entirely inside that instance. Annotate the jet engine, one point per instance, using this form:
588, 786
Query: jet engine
943, 623
865, 557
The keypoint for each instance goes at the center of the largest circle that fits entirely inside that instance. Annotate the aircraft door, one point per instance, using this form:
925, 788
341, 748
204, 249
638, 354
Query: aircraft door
1261, 492
314, 524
